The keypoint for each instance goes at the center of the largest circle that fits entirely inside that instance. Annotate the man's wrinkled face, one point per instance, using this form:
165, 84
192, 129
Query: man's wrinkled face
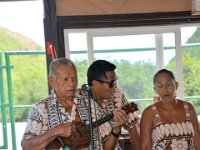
66, 81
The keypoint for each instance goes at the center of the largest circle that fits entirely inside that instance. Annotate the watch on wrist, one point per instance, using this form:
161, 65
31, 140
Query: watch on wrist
114, 134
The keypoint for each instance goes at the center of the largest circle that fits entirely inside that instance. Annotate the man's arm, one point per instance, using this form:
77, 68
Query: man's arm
41, 141
38, 142
113, 139
120, 118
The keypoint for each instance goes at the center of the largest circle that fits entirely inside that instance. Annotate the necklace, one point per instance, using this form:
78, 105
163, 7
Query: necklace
73, 113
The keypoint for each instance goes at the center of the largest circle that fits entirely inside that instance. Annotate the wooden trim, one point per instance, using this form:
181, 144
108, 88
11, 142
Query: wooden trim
55, 25
96, 21
125, 20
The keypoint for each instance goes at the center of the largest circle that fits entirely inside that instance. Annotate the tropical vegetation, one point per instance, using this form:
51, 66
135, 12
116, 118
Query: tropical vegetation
29, 74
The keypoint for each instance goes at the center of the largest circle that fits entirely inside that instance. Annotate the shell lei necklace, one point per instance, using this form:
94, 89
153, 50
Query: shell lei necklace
73, 113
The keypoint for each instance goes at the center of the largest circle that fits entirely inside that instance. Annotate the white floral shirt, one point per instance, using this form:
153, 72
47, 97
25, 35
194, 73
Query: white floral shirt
103, 131
48, 113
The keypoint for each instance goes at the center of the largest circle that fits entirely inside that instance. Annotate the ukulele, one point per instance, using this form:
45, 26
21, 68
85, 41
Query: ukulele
82, 135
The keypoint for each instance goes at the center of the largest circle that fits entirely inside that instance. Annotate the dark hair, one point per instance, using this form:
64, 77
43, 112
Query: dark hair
98, 69
57, 62
170, 73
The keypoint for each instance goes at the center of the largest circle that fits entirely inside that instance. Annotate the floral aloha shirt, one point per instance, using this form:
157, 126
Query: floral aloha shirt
103, 131
48, 113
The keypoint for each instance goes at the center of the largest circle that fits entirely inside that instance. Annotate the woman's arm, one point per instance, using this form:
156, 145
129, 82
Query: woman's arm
195, 124
146, 126
134, 138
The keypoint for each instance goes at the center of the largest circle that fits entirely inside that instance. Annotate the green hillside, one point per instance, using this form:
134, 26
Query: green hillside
14, 41
28, 73
195, 38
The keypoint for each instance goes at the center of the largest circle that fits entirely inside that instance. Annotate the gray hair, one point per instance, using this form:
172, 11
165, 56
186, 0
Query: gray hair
58, 62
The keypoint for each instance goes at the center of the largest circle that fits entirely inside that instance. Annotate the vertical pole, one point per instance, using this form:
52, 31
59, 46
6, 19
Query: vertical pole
159, 51
10, 98
3, 109
179, 64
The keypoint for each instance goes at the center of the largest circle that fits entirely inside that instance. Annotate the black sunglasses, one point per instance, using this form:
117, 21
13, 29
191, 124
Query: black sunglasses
111, 83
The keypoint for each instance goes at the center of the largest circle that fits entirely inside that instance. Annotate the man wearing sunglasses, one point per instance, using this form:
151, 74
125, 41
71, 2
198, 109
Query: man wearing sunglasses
103, 97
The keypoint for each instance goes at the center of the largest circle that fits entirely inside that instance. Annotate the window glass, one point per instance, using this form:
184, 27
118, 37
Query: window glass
191, 65
138, 56
135, 58
169, 51
77, 43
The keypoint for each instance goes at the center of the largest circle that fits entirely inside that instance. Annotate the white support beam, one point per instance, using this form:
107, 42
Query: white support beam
179, 64
66, 39
159, 51
90, 48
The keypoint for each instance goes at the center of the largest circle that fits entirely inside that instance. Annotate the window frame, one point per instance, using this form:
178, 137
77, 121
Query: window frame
157, 30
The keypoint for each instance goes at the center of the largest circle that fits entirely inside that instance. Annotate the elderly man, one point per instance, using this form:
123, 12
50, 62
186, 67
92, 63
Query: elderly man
51, 117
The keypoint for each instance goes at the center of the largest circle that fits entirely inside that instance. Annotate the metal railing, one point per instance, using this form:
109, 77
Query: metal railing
10, 105
3, 106
8, 67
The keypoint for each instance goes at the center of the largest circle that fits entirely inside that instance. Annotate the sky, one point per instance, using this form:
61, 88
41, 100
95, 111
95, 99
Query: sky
24, 17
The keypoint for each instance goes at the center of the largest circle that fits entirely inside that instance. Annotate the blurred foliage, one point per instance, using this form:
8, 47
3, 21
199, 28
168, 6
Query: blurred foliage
29, 77
29, 82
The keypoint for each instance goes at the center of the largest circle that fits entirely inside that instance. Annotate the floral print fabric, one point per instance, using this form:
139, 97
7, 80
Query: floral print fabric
118, 100
173, 136
47, 114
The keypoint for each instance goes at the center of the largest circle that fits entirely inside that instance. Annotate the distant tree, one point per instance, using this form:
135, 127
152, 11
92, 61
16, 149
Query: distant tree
28, 75
29, 82
191, 63
191, 81
135, 79
195, 37
82, 66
